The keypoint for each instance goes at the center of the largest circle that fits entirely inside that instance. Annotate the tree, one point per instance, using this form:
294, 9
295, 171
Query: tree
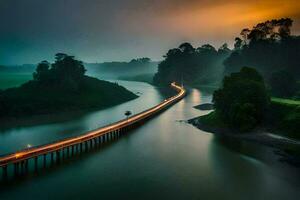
242, 100
224, 49
283, 84
66, 73
268, 47
127, 113
195, 66
244, 33
187, 48
42, 72
238, 43
67, 67
269, 30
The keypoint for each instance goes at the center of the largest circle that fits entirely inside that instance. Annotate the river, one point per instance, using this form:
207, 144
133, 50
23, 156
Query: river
163, 159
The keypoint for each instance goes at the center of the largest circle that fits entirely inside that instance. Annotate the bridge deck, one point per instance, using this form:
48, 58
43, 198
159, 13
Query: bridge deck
26, 154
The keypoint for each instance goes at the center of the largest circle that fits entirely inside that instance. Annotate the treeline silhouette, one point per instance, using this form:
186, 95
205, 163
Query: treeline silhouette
113, 70
268, 47
59, 87
193, 66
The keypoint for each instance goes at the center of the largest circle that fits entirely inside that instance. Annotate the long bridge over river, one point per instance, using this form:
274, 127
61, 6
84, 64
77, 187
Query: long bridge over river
71, 146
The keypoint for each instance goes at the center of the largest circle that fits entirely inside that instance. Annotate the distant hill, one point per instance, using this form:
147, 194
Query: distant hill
113, 70
25, 68
147, 78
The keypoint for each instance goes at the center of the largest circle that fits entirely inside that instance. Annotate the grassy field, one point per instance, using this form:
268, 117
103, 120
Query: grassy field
286, 101
8, 80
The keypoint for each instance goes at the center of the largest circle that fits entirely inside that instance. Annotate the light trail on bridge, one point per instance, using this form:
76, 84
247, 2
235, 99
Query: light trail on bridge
116, 128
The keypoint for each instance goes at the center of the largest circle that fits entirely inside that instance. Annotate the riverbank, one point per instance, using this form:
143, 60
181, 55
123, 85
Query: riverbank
289, 147
162, 148
34, 103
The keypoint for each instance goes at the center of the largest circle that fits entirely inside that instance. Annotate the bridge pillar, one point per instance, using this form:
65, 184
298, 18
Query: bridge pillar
57, 156
94, 142
68, 151
86, 146
36, 164
45, 161
26, 165
16, 169
91, 143
52, 158
63, 153
72, 150
22, 167
81, 147
4, 172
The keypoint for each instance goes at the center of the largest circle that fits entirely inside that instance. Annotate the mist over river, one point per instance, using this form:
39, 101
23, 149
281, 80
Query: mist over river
163, 159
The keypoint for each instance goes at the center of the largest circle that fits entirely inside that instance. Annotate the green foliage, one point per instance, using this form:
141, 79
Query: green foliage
284, 118
270, 48
9, 79
65, 73
243, 99
202, 65
61, 87
212, 120
283, 84
286, 101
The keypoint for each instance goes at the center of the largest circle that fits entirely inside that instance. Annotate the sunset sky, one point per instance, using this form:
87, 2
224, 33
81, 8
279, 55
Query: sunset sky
98, 30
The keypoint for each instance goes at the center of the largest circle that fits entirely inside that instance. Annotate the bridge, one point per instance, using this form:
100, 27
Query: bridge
71, 146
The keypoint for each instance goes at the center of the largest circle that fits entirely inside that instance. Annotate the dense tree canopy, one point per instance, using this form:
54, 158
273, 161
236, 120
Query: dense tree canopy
242, 101
191, 65
61, 86
66, 72
268, 47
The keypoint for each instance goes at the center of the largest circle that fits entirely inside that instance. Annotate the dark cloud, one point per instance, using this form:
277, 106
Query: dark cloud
98, 30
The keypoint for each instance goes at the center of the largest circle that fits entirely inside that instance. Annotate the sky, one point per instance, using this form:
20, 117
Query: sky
119, 30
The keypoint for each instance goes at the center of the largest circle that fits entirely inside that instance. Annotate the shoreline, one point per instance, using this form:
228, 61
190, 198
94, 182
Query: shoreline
51, 118
289, 148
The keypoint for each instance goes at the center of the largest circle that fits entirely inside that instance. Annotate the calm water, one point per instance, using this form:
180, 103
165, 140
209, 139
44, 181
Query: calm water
164, 159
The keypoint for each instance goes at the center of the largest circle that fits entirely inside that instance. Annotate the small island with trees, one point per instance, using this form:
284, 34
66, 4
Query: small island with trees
59, 87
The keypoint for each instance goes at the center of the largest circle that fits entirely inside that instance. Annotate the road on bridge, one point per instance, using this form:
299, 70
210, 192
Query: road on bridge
34, 152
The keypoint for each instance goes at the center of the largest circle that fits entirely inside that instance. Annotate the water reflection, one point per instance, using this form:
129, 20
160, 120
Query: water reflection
163, 159
16, 138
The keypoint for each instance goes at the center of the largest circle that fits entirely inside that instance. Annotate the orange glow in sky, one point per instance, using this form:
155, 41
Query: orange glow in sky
214, 21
